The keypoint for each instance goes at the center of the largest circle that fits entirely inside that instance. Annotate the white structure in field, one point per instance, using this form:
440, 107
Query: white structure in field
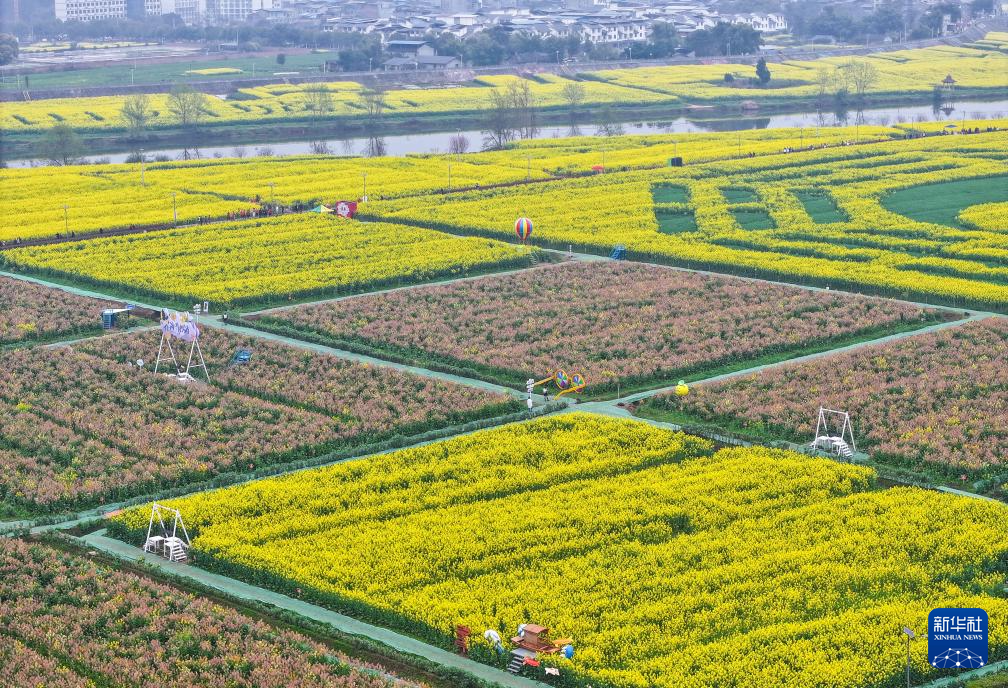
834, 433
165, 540
183, 327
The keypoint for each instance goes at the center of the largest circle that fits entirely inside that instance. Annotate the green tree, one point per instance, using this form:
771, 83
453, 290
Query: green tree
724, 39
762, 72
61, 145
574, 93
482, 50
187, 105
137, 113
934, 18
8, 48
281, 58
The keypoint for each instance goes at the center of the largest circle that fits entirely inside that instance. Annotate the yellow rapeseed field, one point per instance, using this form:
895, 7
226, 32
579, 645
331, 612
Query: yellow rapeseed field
263, 260
666, 563
905, 72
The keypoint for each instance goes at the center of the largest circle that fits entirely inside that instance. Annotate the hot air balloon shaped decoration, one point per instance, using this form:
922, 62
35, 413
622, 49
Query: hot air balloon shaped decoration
523, 228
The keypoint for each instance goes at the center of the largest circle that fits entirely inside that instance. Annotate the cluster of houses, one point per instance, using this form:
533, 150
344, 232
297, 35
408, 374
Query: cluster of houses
616, 22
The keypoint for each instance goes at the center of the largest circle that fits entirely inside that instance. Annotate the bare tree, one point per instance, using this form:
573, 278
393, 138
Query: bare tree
264, 152
239, 152
824, 80
137, 113
524, 104
501, 124
574, 93
187, 105
862, 75
320, 148
840, 80
318, 100
458, 144
373, 102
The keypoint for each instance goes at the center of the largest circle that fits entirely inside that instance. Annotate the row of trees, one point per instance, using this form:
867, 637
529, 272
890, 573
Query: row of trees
851, 79
893, 19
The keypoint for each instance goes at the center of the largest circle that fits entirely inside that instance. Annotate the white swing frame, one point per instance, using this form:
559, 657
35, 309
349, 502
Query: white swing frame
823, 428
156, 543
194, 348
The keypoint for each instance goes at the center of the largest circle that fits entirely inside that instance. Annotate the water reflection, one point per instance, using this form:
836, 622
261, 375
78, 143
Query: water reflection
375, 147
940, 109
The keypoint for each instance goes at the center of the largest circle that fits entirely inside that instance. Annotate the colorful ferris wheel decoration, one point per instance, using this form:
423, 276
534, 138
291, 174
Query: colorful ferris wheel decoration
561, 379
523, 228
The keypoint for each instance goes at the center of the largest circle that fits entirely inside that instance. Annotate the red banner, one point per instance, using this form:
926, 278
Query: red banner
346, 208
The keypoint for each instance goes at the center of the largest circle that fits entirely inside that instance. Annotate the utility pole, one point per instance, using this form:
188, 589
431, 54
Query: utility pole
365, 187
174, 206
272, 186
66, 219
449, 177
142, 182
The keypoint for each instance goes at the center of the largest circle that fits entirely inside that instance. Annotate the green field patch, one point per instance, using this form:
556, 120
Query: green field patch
675, 222
736, 195
821, 206
942, 202
753, 219
670, 194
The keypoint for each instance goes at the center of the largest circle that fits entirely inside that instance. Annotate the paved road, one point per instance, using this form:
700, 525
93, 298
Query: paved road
959, 679
343, 623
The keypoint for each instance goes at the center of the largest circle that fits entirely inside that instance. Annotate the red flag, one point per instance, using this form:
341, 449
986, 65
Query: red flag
346, 208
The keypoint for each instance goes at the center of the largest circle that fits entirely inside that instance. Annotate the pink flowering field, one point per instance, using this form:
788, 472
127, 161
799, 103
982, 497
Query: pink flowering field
67, 622
610, 320
78, 426
30, 312
937, 400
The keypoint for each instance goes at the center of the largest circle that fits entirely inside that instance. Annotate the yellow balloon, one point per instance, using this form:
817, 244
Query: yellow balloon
681, 389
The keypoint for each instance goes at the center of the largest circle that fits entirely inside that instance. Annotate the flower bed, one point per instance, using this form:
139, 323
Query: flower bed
937, 401
78, 428
67, 622
30, 312
279, 258
667, 564
611, 321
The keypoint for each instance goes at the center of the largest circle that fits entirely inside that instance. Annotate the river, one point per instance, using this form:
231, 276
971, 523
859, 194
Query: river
438, 142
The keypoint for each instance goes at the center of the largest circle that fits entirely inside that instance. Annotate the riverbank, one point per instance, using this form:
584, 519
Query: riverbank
430, 134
